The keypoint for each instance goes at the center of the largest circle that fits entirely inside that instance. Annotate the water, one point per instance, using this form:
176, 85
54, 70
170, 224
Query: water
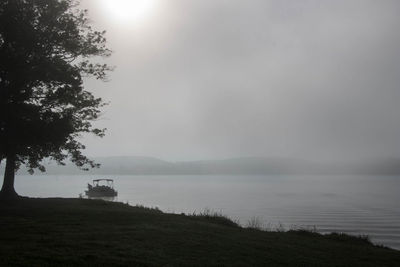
360, 205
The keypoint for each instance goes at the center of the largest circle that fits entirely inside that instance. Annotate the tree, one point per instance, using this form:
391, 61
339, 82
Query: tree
46, 48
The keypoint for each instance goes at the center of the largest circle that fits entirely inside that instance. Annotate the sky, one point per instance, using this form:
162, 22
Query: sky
211, 79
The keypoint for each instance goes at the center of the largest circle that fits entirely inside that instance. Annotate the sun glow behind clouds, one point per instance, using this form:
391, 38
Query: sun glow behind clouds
128, 11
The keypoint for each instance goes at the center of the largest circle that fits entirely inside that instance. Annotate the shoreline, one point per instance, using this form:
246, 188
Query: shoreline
80, 232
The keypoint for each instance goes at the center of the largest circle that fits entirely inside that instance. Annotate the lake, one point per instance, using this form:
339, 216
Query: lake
359, 205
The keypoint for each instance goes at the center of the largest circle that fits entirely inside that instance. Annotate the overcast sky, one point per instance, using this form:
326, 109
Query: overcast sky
207, 79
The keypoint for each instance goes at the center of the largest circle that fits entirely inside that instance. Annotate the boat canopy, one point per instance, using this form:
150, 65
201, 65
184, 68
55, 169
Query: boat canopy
108, 180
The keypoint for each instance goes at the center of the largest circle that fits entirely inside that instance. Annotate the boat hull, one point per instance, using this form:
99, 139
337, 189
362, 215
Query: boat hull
93, 193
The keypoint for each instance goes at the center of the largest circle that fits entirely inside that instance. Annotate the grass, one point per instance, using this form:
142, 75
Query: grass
79, 232
214, 217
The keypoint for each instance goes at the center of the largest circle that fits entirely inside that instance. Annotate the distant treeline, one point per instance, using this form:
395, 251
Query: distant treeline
235, 166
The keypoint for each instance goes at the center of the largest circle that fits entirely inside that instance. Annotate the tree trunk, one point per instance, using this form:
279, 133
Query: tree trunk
8, 191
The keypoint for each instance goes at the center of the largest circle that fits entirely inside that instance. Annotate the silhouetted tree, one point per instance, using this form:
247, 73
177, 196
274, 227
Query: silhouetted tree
46, 48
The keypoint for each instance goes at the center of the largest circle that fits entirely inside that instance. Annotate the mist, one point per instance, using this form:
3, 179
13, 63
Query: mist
239, 132
220, 79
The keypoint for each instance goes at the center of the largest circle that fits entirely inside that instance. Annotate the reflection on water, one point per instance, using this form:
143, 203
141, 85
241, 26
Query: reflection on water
366, 205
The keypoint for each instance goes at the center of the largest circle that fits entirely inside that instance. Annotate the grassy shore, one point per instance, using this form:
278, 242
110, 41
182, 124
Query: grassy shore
78, 232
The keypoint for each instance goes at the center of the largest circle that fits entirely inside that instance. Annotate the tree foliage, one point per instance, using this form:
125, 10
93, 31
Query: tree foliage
47, 47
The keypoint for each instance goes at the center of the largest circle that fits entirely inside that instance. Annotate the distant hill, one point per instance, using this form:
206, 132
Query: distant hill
236, 166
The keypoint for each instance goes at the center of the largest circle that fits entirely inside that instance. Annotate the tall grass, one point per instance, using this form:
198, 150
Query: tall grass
215, 217
255, 223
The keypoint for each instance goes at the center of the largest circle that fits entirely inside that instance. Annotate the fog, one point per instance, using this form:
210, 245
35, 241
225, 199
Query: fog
207, 79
